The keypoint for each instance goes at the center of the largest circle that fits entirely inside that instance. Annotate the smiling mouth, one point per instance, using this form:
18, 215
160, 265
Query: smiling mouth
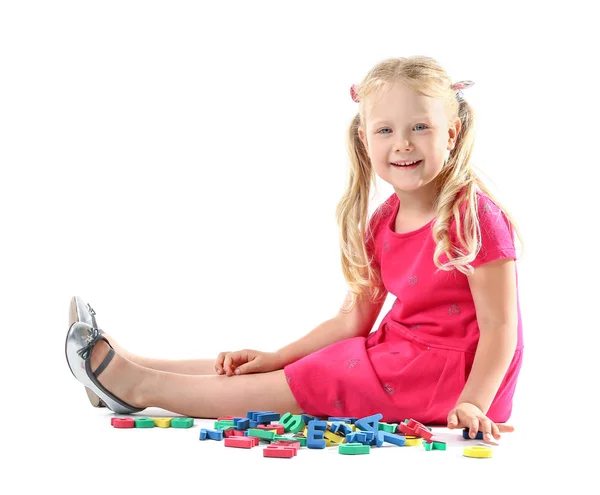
408, 167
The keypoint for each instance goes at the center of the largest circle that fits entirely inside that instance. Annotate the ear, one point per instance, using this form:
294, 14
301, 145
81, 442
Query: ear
453, 132
363, 137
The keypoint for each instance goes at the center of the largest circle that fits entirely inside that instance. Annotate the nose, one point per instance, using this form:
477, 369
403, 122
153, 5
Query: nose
403, 145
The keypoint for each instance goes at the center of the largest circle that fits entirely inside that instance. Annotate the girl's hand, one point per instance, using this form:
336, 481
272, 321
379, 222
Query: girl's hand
466, 415
247, 361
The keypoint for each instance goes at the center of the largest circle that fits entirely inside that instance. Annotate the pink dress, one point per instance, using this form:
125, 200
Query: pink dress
416, 363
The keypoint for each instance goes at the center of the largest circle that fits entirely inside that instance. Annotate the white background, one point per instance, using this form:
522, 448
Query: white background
178, 165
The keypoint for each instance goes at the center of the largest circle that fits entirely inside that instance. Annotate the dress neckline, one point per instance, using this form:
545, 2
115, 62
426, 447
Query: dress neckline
392, 222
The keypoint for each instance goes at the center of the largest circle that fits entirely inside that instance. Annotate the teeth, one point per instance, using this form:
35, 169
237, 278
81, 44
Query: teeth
405, 164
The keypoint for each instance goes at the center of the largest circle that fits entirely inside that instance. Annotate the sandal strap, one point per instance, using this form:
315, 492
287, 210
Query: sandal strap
85, 353
107, 360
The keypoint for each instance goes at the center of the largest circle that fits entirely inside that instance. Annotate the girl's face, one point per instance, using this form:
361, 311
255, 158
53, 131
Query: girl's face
404, 126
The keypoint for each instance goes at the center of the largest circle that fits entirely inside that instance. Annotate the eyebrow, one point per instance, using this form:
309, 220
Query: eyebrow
418, 117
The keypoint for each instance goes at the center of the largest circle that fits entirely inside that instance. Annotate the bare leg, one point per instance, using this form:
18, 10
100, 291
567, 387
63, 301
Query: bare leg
197, 396
183, 366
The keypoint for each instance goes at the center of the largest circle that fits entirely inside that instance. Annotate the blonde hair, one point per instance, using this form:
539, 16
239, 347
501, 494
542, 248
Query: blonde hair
457, 182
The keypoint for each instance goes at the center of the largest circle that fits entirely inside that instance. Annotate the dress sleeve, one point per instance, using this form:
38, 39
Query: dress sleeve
497, 236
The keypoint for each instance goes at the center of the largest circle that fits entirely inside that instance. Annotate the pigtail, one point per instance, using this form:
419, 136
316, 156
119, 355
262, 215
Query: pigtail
457, 201
458, 187
361, 274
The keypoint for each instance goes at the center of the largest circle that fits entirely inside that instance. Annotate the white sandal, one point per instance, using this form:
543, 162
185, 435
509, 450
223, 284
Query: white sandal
80, 311
81, 339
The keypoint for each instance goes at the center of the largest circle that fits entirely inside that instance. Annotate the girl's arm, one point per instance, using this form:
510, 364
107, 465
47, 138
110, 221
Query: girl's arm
347, 324
494, 290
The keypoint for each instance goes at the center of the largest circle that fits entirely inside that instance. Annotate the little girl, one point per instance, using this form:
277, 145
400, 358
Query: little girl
449, 350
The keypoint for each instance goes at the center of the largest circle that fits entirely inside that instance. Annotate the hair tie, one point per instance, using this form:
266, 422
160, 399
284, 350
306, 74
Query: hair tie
459, 86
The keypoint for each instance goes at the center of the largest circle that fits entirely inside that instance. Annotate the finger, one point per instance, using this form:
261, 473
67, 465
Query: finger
496, 431
248, 367
452, 420
473, 427
240, 370
235, 359
228, 362
485, 426
505, 428
219, 362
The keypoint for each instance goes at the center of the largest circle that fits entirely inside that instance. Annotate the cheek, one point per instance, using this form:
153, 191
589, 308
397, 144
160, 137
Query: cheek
379, 148
441, 142
374, 151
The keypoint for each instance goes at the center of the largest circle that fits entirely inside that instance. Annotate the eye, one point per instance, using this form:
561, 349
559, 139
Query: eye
380, 131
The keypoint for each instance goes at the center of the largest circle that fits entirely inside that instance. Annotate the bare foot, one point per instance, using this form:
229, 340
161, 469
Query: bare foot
122, 378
